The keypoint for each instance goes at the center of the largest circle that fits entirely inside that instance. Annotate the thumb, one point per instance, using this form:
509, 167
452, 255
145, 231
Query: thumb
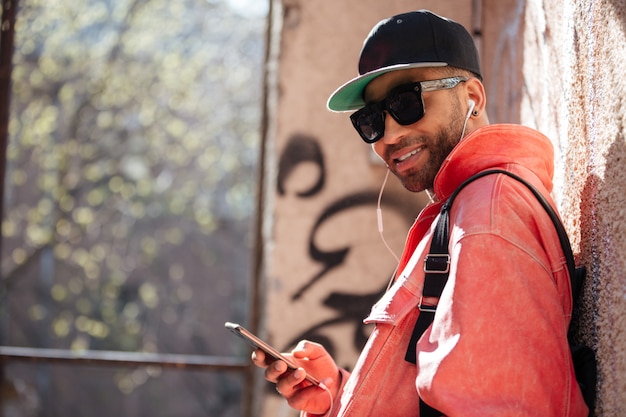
308, 349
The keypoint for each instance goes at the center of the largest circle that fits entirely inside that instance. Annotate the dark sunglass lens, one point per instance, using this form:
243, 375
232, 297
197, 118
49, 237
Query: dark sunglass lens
369, 123
406, 107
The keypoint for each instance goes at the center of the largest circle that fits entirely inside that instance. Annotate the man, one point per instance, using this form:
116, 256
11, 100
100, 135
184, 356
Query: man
498, 343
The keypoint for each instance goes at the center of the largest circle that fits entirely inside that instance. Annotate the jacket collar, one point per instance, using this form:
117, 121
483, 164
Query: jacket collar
492, 146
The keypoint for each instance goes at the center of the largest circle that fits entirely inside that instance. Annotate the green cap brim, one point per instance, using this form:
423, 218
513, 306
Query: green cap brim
350, 95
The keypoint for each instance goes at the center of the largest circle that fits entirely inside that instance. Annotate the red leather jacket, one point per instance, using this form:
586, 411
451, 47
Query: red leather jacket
498, 344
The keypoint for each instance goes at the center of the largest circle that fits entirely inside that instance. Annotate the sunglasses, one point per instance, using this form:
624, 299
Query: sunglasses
404, 103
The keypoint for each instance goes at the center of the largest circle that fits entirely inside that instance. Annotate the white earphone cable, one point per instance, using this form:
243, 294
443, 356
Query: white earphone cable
379, 215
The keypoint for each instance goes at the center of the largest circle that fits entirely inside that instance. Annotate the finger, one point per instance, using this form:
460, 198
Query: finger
275, 371
291, 382
312, 398
258, 358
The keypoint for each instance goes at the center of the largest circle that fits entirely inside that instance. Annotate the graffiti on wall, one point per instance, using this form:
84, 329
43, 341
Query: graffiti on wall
348, 308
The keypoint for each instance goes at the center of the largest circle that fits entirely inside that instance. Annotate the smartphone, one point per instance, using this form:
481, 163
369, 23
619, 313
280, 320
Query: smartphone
259, 344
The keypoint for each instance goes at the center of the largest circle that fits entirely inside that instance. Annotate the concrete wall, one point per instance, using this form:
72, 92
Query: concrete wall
573, 90
564, 76
553, 65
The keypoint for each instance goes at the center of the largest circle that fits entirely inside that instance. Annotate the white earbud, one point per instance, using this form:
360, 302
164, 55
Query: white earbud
471, 105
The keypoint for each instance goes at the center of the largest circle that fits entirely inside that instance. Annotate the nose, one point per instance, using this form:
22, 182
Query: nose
393, 130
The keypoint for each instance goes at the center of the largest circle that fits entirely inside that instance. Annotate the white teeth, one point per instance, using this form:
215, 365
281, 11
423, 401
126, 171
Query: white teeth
408, 155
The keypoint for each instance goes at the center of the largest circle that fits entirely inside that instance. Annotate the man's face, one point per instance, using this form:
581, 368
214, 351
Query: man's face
415, 152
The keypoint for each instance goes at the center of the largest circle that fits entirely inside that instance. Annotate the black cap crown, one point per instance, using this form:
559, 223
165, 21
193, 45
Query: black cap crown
408, 40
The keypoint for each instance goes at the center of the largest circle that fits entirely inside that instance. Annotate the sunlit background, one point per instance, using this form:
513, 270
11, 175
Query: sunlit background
129, 198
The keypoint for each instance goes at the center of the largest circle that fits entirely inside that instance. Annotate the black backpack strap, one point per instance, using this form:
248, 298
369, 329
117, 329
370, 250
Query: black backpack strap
437, 266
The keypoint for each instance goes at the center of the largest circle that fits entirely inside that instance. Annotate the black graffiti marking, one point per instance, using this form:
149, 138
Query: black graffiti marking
301, 148
332, 259
351, 308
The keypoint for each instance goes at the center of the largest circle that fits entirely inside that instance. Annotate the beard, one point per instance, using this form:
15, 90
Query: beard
439, 145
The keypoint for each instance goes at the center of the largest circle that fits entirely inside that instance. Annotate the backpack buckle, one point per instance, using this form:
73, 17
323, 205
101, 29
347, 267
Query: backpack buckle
437, 263
426, 308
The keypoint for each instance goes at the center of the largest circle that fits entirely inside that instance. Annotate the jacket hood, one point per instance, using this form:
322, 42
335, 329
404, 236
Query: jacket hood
498, 145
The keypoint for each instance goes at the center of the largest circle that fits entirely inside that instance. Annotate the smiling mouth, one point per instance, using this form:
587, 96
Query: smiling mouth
408, 155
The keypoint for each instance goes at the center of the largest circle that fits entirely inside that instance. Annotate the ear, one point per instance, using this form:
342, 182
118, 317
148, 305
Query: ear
476, 92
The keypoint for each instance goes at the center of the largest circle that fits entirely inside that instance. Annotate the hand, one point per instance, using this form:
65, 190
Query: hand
300, 394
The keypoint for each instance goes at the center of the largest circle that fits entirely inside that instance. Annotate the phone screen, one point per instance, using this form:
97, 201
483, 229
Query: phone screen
257, 343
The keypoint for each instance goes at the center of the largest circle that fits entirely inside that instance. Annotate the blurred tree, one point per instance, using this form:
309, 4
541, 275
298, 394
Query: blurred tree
131, 174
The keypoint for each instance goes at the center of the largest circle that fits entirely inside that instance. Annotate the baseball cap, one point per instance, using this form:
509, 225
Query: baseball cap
409, 40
